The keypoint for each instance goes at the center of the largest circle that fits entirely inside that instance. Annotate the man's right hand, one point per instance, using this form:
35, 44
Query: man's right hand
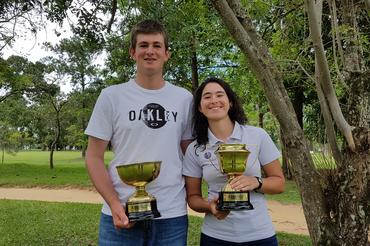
120, 220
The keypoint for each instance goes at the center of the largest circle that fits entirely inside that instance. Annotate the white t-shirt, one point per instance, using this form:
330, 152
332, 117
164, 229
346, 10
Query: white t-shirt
244, 225
146, 125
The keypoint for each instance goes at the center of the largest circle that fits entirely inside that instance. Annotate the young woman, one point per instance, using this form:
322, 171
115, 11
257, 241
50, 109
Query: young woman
219, 118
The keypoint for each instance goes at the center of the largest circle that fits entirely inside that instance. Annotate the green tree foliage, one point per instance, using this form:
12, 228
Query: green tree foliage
75, 62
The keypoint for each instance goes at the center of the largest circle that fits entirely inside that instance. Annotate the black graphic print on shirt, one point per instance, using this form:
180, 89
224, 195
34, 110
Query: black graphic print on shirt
154, 115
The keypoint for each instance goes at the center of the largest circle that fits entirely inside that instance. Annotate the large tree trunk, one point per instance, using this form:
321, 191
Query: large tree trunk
333, 217
351, 214
353, 201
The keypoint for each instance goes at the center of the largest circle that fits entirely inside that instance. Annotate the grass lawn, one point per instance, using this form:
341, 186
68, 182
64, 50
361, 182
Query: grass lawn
31, 169
51, 223
48, 223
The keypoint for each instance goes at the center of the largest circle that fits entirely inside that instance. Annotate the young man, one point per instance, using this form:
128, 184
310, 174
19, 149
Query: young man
145, 119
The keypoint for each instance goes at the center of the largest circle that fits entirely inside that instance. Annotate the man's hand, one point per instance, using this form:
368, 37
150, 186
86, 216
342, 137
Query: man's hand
120, 220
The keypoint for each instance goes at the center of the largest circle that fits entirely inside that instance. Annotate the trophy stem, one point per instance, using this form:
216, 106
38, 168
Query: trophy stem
140, 191
227, 187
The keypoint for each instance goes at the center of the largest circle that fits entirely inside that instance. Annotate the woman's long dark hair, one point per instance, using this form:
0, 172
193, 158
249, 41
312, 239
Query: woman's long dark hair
200, 122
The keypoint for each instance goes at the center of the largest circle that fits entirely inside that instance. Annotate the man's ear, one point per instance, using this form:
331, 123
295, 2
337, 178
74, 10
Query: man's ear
168, 54
132, 52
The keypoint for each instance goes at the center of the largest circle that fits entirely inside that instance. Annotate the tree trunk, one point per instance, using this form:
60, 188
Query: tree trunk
3, 155
298, 102
352, 217
57, 132
51, 159
285, 159
260, 119
83, 152
194, 66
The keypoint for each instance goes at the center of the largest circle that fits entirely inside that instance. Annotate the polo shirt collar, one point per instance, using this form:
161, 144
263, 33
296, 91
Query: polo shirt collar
235, 135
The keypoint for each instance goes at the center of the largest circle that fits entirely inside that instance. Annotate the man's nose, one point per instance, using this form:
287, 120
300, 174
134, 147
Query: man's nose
150, 50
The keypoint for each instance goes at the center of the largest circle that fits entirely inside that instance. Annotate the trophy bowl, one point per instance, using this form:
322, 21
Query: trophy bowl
141, 205
233, 161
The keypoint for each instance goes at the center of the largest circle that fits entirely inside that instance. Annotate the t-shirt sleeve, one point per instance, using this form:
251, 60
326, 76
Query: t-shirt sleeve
187, 132
100, 123
191, 166
268, 150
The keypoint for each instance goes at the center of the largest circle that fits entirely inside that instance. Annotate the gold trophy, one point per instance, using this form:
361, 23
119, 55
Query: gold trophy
141, 205
233, 161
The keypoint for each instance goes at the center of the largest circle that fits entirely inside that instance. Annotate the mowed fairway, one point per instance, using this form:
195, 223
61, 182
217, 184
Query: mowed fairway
31, 168
52, 223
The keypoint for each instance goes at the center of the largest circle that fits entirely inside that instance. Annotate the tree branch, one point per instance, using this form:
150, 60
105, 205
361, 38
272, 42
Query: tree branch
335, 36
279, 18
113, 14
367, 5
324, 76
328, 121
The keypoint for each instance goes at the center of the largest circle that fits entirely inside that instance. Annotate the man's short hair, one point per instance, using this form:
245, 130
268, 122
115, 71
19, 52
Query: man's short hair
148, 27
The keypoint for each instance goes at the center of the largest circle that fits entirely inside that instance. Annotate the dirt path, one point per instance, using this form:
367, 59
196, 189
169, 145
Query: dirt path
286, 218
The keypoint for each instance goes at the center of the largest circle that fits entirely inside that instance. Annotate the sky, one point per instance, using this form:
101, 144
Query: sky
31, 47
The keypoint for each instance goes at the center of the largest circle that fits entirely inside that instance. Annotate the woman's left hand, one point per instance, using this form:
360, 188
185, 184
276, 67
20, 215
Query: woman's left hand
244, 183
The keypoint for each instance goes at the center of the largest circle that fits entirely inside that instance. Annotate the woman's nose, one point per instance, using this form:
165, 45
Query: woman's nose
213, 99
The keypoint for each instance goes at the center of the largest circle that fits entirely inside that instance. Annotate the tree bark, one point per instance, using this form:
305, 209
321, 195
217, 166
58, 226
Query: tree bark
352, 217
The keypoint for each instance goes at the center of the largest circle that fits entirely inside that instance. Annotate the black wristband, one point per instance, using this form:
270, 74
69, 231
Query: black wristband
260, 182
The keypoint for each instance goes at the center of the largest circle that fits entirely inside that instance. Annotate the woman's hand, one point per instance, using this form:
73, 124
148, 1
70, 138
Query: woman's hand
219, 214
244, 183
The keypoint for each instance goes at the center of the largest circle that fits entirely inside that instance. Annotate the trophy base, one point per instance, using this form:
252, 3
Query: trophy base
143, 215
234, 201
